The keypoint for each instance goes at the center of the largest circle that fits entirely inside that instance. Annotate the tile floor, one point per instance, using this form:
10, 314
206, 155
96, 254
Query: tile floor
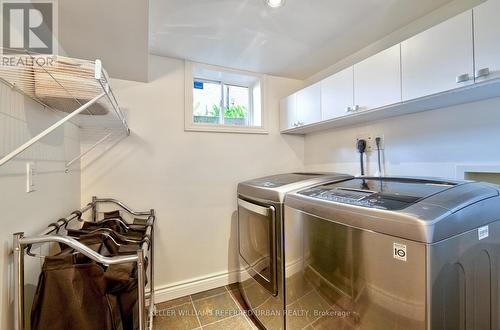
220, 308
223, 308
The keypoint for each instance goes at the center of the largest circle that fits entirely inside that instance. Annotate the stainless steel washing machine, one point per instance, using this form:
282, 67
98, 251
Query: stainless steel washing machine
393, 253
260, 241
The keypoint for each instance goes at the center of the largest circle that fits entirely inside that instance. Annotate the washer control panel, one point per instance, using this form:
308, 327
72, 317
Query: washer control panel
364, 198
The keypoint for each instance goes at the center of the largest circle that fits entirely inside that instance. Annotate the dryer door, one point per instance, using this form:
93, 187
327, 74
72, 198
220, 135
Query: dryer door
257, 242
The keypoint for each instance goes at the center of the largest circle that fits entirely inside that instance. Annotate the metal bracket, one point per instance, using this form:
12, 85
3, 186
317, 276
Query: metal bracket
68, 164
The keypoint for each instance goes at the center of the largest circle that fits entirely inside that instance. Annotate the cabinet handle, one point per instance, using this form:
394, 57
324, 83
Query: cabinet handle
463, 78
348, 109
356, 107
482, 73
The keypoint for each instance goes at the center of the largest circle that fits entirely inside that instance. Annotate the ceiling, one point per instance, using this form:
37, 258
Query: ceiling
297, 40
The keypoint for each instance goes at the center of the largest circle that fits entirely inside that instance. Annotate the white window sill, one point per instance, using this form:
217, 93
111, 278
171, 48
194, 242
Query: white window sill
226, 129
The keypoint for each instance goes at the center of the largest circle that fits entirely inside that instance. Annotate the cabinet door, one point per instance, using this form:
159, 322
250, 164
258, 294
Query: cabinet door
439, 59
487, 40
288, 112
377, 80
309, 105
337, 94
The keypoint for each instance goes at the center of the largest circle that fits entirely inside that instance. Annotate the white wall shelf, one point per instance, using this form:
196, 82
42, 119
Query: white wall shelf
472, 93
78, 89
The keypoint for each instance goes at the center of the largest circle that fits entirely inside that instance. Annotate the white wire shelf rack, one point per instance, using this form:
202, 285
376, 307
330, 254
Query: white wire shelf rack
79, 90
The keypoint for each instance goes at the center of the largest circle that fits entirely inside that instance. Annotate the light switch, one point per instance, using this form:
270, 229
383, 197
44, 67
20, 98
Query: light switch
30, 174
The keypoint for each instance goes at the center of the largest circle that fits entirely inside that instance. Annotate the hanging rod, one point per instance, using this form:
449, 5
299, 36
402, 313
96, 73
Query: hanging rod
80, 247
150, 213
49, 130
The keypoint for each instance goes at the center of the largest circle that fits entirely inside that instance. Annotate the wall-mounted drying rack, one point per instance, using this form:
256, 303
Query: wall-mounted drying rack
77, 87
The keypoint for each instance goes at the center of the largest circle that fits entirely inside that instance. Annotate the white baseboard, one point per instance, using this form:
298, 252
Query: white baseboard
294, 266
185, 288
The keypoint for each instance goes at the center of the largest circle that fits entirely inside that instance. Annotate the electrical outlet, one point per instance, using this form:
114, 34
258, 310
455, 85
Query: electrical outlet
369, 141
30, 173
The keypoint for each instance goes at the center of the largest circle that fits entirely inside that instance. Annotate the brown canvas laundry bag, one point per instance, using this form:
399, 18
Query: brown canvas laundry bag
75, 292
73, 296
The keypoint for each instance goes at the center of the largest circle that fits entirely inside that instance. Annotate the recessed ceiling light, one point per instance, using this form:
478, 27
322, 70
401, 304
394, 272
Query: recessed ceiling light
275, 3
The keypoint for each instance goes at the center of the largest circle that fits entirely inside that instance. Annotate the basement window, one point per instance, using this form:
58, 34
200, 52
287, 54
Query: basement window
223, 100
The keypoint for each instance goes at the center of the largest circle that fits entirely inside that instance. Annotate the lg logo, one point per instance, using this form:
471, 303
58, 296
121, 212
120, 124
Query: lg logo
399, 251
28, 26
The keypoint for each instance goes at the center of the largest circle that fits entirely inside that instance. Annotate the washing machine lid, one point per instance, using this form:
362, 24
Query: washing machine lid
274, 188
380, 193
421, 209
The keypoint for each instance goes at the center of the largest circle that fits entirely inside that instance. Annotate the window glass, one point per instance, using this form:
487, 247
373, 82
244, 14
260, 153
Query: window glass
236, 105
207, 96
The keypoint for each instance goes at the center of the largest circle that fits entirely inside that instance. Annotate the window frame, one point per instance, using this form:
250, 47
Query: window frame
190, 125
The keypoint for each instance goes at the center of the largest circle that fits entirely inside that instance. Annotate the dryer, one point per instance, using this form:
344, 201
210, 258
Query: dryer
260, 241
393, 253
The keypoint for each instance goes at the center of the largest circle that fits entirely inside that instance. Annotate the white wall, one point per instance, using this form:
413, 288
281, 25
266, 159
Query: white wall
190, 178
431, 143
57, 193
114, 31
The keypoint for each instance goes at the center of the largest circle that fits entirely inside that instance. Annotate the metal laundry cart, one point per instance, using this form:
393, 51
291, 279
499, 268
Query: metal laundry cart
143, 256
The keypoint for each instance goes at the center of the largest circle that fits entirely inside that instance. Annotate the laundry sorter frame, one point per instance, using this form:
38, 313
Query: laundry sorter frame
21, 242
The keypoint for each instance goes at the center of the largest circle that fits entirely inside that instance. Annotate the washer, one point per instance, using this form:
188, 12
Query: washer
260, 241
394, 253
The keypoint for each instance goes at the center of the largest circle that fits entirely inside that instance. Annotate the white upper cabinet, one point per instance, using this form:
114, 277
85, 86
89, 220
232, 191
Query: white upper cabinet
487, 40
309, 105
377, 80
301, 108
337, 94
439, 59
288, 112
409, 77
